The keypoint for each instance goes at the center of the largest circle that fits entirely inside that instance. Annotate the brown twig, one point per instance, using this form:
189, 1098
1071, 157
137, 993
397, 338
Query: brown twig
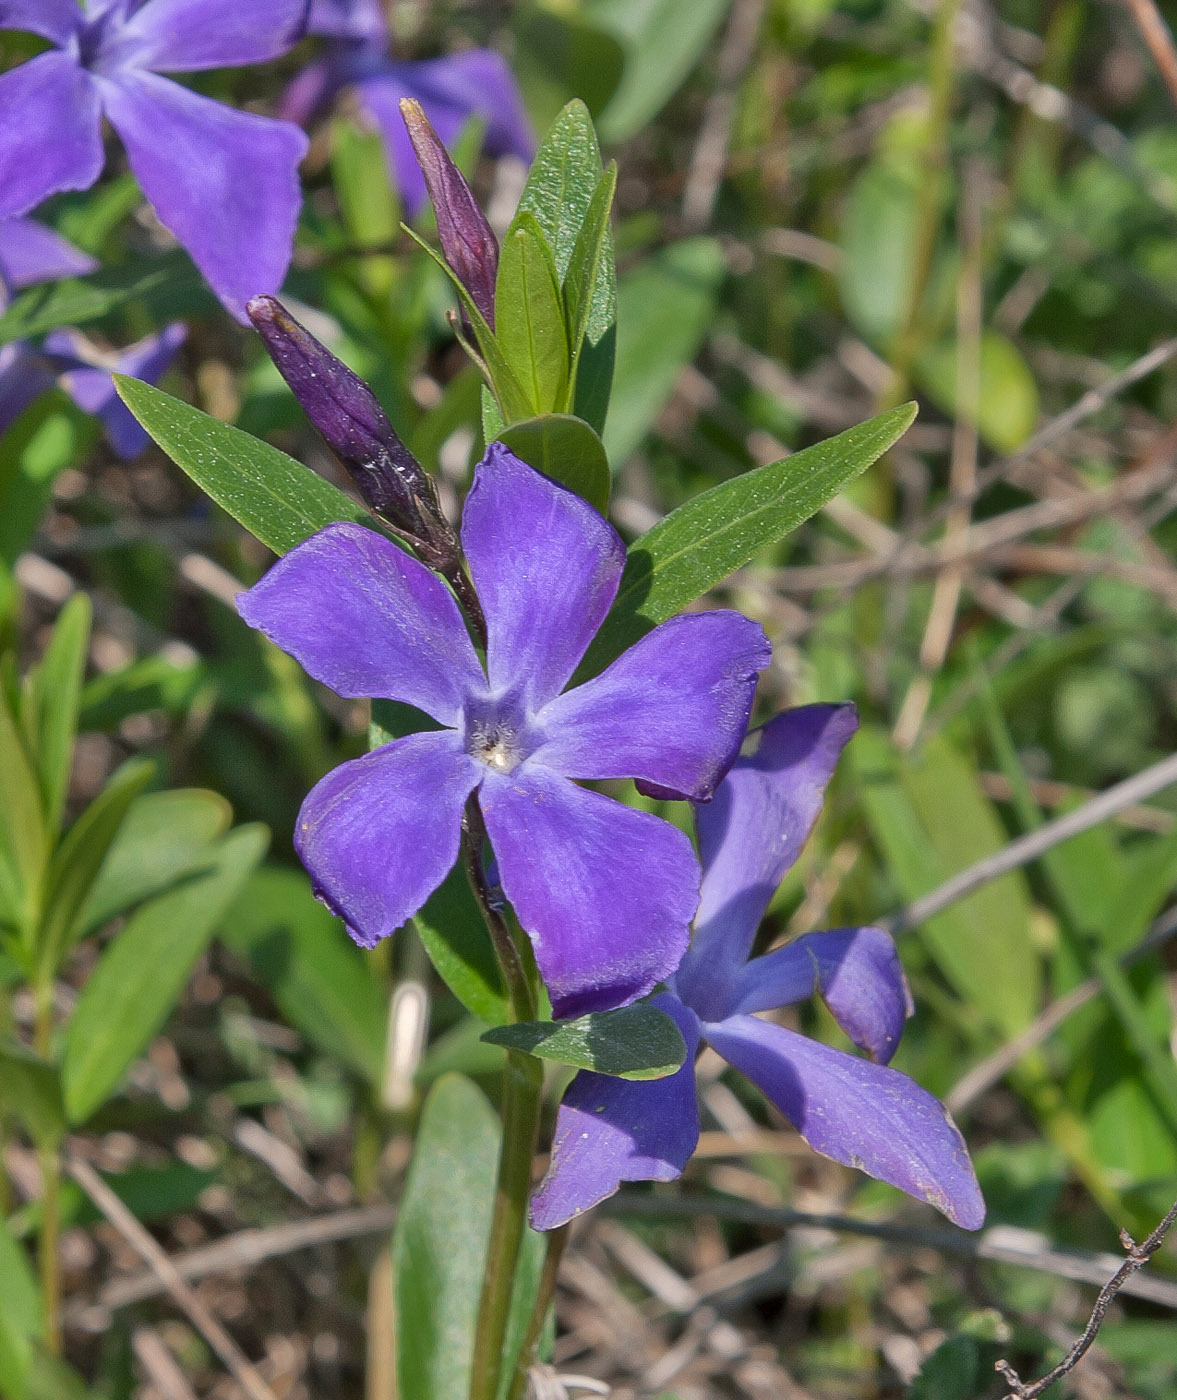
1138, 1257
143, 1243
1155, 33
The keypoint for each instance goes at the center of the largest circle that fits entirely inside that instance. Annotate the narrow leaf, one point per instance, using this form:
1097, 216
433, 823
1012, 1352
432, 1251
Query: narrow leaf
273, 496
634, 1042
590, 264
52, 692
30, 1090
529, 316
24, 842
699, 544
142, 973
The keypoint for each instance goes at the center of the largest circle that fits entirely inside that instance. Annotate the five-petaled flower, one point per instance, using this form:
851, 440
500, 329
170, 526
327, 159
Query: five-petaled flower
858, 1111
224, 182
605, 892
452, 89
31, 253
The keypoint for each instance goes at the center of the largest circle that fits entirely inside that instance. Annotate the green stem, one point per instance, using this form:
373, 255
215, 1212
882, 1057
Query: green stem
557, 1239
50, 1159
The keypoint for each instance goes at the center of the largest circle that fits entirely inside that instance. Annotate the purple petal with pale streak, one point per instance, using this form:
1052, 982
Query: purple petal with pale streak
349, 19
606, 893
861, 1114
475, 82
24, 377
31, 253
612, 1130
92, 389
379, 834
856, 972
750, 834
55, 20
546, 566
178, 36
309, 91
224, 182
379, 95
51, 132
363, 617
671, 711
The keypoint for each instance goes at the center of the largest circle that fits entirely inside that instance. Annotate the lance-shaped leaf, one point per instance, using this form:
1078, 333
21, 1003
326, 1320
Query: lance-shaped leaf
24, 842
30, 1089
529, 324
273, 496
591, 265
467, 239
52, 691
701, 543
635, 1042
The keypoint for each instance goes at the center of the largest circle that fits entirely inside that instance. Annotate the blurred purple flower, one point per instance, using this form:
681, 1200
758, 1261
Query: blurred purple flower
475, 82
605, 892
224, 182
855, 1110
31, 253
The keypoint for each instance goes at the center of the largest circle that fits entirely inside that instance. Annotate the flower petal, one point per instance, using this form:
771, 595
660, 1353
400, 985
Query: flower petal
310, 90
378, 95
606, 893
178, 36
348, 19
51, 135
92, 389
379, 834
613, 1130
857, 973
546, 567
224, 182
671, 711
474, 82
749, 835
363, 617
31, 253
861, 1114
24, 377
55, 20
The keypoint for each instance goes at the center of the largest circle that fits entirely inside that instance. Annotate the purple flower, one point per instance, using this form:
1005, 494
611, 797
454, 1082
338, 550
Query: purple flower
224, 182
31, 253
852, 1109
474, 83
605, 892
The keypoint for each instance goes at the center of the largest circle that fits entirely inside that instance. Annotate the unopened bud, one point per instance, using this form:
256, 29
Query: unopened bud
467, 239
344, 409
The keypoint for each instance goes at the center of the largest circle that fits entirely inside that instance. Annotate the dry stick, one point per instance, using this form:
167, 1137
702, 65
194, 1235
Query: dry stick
1155, 33
962, 471
142, 1242
994, 1067
1138, 1257
1027, 848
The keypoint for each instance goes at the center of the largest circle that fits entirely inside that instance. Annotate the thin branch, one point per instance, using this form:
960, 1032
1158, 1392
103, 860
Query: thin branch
144, 1244
1138, 1257
1028, 848
1155, 33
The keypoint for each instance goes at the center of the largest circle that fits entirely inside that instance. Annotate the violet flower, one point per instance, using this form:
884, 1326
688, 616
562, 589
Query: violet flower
31, 253
473, 83
224, 182
605, 892
855, 1110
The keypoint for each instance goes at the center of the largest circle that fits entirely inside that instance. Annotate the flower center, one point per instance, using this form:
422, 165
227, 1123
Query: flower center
496, 734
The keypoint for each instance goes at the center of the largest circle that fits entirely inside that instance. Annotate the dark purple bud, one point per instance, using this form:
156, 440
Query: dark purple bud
467, 240
391, 481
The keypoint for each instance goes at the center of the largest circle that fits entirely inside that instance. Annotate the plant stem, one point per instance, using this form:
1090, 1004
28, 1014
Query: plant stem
50, 1158
557, 1239
519, 988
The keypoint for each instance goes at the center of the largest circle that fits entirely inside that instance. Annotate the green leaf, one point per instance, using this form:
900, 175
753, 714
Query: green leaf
564, 189
663, 41
165, 835
566, 449
952, 1372
1006, 412
879, 231
665, 308
77, 861
303, 957
141, 974
529, 315
454, 935
30, 1090
699, 544
439, 1246
20, 1316
277, 499
52, 691
24, 845
77, 301
634, 1042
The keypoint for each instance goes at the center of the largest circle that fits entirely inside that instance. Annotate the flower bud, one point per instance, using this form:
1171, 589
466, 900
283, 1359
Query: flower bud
467, 240
344, 409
